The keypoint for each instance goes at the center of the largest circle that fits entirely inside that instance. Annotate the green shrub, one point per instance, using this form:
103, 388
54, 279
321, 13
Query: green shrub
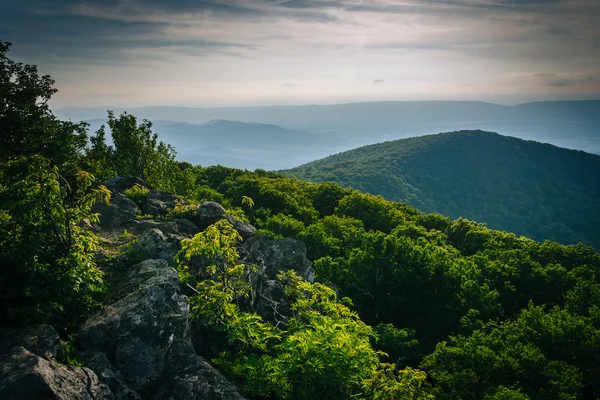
68, 353
281, 225
137, 194
47, 257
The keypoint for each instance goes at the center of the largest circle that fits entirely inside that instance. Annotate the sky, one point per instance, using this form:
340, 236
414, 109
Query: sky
130, 53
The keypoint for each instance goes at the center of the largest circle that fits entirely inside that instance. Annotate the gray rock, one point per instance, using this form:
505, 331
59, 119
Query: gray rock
188, 376
159, 203
25, 375
210, 212
119, 184
207, 214
144, 271
245, 230
154, 244
109, 375
273, 304
186, 227
140, 225
42, 340
279, 254
137, 331
118, 212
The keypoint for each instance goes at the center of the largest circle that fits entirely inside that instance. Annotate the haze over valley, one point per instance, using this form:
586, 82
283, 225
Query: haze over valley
245, 137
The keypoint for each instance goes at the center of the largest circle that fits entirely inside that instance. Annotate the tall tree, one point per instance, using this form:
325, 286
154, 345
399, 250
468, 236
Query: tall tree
28, 126
138, 152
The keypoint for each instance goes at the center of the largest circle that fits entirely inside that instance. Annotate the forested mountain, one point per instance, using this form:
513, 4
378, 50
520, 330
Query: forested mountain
529, 188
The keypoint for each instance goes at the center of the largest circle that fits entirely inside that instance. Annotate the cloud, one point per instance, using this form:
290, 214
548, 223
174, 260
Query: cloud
247, 47
576, 81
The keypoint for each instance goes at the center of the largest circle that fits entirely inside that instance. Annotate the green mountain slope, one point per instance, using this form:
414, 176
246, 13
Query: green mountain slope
529, 188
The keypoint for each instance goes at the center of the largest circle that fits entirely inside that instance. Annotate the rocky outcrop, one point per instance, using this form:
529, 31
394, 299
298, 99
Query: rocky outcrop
120, 184
109, 375
186, 227
136, 332
42, 340
274, 255
159, 203
153, 243
29, 370
140, 347
156, 202
188, 376
117, 213
207, 214
272, 303
245, 230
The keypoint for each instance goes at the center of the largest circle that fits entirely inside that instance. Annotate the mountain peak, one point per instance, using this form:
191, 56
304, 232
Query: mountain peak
480, 175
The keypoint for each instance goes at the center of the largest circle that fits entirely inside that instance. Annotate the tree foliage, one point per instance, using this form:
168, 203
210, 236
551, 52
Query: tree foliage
434, 288
532, 189
28, 126
324, 351
47, 254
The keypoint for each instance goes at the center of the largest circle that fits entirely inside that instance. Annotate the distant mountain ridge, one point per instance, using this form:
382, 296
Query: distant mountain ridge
529, 188
571, 124
238, 144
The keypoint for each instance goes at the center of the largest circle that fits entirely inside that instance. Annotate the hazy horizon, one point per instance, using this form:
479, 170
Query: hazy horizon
268, 105
228, 53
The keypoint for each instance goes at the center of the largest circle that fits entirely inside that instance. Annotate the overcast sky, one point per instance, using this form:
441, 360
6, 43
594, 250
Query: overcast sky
255, 52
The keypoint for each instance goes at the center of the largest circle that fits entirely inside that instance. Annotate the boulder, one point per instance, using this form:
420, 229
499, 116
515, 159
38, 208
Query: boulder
25, 375
279, 254
207, 214
154, 244
140, 225
210, 212
41, 340
272, 303
159, 203
109, 375
147, 269
118, 212
186, 227
188, 376
245, 230
119, 184
137, 331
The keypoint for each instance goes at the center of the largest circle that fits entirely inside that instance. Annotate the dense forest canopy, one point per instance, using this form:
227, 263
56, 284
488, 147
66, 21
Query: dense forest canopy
532, 189
405, 305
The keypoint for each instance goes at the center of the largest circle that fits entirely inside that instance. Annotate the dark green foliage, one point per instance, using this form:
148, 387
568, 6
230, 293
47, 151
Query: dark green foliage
99, 156
532, 189
422, 280
400, 345
552, 354
27, 125
136, 152
48, 271
282, 225
323, 351
47, 256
